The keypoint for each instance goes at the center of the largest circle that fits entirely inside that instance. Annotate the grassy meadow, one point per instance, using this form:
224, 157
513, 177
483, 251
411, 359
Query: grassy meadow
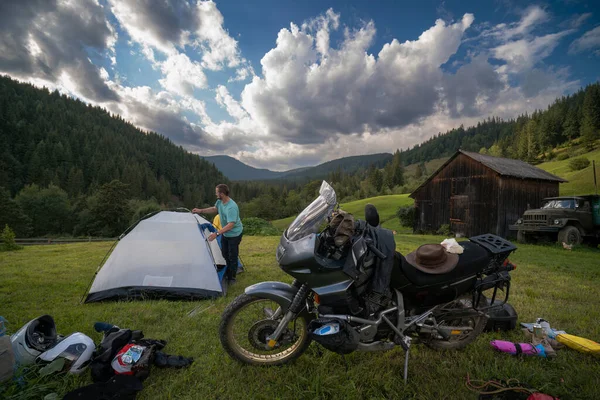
550, 282
580, 182
386, 206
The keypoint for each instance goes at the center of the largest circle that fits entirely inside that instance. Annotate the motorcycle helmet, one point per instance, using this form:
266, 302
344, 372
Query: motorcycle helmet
35, 337
76, 349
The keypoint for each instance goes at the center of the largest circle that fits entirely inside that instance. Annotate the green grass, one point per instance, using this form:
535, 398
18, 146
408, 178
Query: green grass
386, 205
580, 182
559, 285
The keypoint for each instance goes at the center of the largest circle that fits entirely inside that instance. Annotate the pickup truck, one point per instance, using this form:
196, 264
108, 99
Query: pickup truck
568, 219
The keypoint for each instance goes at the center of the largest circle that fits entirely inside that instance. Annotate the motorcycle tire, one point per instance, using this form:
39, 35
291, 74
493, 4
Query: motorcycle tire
245, 356
459, 343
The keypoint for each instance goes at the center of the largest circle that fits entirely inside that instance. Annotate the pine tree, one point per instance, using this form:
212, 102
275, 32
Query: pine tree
111, 212
419, 172
571, 124
532, 140
398, 169
11, 214
591, 116
75, 182
388, 176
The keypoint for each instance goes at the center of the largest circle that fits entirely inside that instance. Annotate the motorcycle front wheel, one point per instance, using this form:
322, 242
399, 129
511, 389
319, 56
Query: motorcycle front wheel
249, 320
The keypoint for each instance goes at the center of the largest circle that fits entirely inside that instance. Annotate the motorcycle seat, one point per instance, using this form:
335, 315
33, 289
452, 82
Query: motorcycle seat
473, 260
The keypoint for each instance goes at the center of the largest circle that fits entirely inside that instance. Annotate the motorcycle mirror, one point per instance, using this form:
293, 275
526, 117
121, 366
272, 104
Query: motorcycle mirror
371, 215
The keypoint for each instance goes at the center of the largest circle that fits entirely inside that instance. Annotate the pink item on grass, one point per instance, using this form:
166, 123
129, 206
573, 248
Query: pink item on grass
518, 348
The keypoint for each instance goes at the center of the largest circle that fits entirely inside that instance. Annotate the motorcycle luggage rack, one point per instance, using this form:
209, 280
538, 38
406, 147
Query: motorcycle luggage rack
494, 244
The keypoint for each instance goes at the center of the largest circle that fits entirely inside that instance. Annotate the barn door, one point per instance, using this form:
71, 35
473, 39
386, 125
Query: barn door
459, 214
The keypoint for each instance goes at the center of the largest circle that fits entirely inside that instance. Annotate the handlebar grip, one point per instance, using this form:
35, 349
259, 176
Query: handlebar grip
376, 251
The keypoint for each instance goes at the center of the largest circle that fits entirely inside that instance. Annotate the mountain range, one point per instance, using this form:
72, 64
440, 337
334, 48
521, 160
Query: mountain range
238, 171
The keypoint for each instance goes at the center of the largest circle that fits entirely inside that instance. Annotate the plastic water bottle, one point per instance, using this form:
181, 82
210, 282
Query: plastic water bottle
546, 327
327, 329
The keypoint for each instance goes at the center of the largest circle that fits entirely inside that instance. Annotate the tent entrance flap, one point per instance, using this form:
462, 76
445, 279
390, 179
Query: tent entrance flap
164, 256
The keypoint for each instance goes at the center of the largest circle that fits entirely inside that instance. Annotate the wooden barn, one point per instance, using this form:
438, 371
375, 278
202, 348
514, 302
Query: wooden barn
476, 194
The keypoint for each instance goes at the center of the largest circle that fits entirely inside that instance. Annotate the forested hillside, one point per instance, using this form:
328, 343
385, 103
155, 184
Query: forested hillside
528, 137
46, 138
57, 154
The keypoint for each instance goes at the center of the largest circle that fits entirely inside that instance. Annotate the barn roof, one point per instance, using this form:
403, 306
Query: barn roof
502, 166
510, 167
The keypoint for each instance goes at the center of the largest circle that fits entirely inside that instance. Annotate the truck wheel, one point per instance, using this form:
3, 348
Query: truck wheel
569, 235
521, 237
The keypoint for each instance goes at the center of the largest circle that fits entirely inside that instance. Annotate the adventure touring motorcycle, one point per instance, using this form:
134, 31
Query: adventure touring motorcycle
353, 291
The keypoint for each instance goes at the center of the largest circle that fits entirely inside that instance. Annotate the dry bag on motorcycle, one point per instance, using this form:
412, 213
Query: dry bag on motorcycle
334, 334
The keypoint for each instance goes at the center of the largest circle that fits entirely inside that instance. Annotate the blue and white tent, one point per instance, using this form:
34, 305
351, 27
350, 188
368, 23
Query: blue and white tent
166, 255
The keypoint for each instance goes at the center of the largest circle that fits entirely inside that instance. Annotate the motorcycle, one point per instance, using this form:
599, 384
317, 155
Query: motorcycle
332, 300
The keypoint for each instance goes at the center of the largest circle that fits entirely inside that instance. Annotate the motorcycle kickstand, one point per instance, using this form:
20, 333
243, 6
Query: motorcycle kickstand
406, 366
407, 342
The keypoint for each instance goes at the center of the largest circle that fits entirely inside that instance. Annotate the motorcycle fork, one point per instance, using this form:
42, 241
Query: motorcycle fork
293, 310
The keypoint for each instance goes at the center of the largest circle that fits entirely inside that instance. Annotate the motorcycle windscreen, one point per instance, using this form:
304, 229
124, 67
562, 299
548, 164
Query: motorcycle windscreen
309, 220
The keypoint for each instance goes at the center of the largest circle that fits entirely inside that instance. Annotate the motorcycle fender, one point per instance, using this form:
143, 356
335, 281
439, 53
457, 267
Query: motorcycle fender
279, 292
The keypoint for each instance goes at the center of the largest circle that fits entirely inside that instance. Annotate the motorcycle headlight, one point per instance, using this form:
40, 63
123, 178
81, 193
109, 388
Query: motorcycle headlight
520, 221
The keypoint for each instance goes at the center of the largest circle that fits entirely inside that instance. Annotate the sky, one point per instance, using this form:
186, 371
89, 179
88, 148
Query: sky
284, 84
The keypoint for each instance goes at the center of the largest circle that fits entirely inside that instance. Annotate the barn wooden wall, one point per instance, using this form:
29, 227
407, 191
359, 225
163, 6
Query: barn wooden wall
463, 176
474, 200
516, 195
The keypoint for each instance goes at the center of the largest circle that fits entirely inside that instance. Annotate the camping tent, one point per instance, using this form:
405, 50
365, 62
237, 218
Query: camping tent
165, 255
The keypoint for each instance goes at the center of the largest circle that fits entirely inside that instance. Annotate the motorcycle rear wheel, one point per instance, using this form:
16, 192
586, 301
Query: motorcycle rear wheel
244, 339
477, 323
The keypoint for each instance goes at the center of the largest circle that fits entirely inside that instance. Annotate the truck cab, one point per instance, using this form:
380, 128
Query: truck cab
568, 219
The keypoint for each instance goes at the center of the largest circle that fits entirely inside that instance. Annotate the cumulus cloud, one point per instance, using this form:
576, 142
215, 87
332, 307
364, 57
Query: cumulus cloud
313, 96
309, 91
471, 88
523, 54
159, 112
155, 24
181, 75
171, 25
590, 41
241, 74
218, 47
47, 41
